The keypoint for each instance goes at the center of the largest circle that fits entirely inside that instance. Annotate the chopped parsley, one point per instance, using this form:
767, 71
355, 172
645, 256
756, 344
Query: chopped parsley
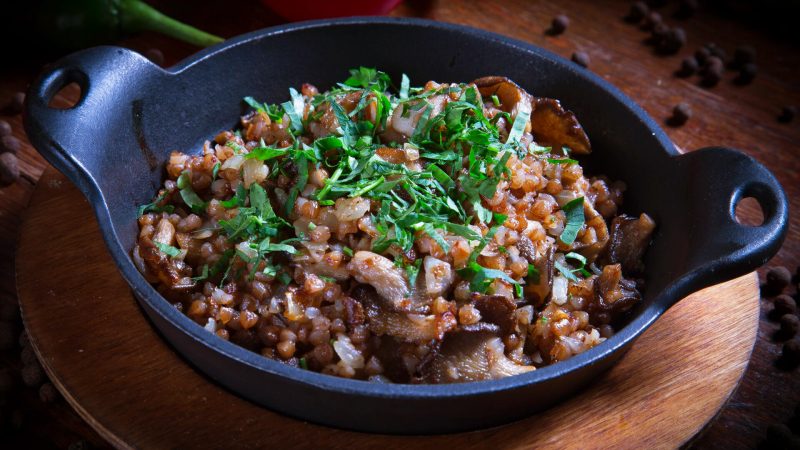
167, 249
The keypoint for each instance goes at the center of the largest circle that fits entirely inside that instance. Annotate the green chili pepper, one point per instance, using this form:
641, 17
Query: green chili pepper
75, 24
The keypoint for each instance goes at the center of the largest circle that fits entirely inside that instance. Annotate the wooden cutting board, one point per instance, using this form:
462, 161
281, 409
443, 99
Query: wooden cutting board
115, 370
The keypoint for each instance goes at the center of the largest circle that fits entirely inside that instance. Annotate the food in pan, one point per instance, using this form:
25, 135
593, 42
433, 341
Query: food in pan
436, 234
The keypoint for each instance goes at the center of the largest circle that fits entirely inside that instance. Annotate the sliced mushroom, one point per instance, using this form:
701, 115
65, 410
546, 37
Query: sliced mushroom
543, 260
554, 126
381, 273
613, 295
473, 353
513, 98
497, 309
629, 240
385, 319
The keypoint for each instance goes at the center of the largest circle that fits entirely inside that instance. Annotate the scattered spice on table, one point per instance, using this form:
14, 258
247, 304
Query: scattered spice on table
559, 24
743, 54
701, 55
581, 59
48, 393
783, 304
747, 74
15, 103
155, 55
9, 143
672, 41
680, 114
27, 355
5, 128
686, 9
712, 72
651, 20
789, 326
689, 66
9, 169
32, 374
638, 11
787, 114
777, 279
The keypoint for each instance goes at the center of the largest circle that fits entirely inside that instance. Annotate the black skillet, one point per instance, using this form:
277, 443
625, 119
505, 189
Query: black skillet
113, 145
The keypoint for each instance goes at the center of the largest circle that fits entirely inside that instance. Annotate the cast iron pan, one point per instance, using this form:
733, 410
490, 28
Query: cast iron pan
114, 142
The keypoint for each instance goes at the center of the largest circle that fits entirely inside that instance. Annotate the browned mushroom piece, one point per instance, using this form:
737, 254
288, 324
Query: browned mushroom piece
552, 125
473, 353
613, 295
385, 319
537, 292
630, 238
511, 96
497, 309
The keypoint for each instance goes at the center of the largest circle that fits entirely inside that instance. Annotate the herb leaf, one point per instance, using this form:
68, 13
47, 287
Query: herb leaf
575, 220
167, 249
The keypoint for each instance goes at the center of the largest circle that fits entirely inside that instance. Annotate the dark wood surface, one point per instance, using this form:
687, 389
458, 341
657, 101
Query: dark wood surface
739, 116
656, 397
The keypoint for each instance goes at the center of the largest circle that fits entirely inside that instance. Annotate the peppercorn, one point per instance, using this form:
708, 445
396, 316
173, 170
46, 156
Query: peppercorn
28, 356
155, 55
680, 114
712, 72
10, 144
5, 128
637, 12
48, 393
778, 278
686, 9
787, 115
789, 326
672, 41
32, 375
701, 55
689, 66
746, 74
783, 304
743, 54
9, 169
658, 34
15, 103
581, 59
717, 51
651, 20
559, 24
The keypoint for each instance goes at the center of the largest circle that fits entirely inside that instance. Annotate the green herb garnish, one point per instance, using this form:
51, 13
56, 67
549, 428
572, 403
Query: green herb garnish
167, 249
574, 216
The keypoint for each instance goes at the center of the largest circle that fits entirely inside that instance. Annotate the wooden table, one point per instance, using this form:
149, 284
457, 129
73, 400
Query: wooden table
739, 116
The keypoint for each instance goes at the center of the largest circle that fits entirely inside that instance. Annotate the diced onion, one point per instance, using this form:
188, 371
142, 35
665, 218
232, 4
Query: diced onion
560, 286
347, 352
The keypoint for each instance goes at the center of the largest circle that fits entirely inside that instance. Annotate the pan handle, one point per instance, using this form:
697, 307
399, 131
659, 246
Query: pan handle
719, 247
67, 138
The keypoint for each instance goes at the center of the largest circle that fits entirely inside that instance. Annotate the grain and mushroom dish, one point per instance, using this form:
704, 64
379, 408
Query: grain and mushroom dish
435, 234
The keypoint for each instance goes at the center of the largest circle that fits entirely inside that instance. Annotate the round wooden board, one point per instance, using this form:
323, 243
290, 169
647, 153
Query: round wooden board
111, 365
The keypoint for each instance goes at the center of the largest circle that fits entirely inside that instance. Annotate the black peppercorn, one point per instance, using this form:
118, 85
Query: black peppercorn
32, 375
701, 55
672, 41
783, 304
712, 71
559, 24
680, 114
787, 115
747, 74
9, 143
16, 103
651, 20
789, 326
777, 278
637, 12
581, 59
9, 169
5, 128
689, 66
